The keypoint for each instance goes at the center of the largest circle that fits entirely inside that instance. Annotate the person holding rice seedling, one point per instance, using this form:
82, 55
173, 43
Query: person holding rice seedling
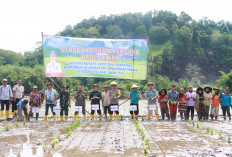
65, 103
106, 100
135, 95
5, 97
151, 95
173, 97
95, 97
208, 99
163, 101
22, 106
35, 101
215, 103
50, 99
200, 104
80, 101
226, 103
182, 108
191, 98
114, 94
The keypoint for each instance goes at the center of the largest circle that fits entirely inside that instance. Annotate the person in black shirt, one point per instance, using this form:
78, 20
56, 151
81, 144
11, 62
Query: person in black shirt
95, 97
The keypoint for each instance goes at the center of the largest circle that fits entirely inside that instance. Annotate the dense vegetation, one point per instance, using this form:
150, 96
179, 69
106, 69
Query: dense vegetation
180, 47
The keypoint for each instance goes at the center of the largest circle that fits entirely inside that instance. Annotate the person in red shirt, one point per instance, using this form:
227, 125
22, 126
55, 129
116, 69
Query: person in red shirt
163, 101
182, 108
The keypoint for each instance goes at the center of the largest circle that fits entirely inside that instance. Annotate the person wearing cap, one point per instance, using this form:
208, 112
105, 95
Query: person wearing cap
95, 97
163, 101
80, 101
53, 66
106, 100
114, 94
22, 106
50, 99
226, 103
18, 93
200, 105
65, 103
215, 103
35, 101
5, 97
151, 95
208, 99
191, 98
173, 97
182, 108
135, 95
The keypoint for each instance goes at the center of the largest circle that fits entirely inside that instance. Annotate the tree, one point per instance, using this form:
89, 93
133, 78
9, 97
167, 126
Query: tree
159, 34
114, 32
141, 32
225, 80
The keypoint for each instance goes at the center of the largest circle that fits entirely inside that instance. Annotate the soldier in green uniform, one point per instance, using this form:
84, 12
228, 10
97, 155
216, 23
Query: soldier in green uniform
65, 103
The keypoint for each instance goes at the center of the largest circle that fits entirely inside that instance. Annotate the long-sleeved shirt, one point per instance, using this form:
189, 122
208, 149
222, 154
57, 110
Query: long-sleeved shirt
226, 99
93, 94
151, 94
174, 96
5, 92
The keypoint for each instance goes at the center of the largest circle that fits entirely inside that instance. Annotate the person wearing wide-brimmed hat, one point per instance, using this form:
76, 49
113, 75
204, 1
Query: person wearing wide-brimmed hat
226, 103
215, 103
191, 98
50, 99
35, 101
114, 94
208, 99
95, 97
106, 100
173, 96
80, 101
163, 101
5, 97
65, 103
135, 95
200, 104
151, 95
182, 107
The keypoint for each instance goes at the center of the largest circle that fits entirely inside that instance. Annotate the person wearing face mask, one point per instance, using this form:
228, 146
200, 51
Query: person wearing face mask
208, 99
226, 103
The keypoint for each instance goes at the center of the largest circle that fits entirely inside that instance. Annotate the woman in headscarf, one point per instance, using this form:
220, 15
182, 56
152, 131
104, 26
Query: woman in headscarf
215, 103
208, 99
200, 104
182, 108
163, 101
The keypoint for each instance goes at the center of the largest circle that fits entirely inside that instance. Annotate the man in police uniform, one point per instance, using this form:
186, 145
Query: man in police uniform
53, 66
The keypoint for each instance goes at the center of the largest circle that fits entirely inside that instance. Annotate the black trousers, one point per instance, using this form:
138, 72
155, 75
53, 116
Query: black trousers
111, 112
64, 110
135, 112
98, 111
3, 103
226, 109
14, 104
190, 109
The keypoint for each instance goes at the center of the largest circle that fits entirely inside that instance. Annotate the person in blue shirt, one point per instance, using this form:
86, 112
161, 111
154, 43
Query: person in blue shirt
135, 95
226, 103
22, 106
173, 97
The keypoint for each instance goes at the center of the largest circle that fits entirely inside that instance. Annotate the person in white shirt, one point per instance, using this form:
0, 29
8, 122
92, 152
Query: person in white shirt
53, 66
18, 93
5, 97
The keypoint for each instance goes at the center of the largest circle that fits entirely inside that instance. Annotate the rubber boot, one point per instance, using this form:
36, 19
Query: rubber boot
157, 116
27, 118
13, 114
7, 114
216, 117
111, 116
75, 117
100, 116
229, 117
1, 114
18, 117
136, 116
85, 118
54, 117
148, 117
132, 116
66, 117
46, 117
92, 116
117, 116
61, 118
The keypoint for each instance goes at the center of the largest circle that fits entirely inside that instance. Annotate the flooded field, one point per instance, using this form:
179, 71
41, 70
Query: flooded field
116, 138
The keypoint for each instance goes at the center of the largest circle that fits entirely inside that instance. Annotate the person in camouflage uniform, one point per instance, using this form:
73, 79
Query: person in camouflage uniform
65, 103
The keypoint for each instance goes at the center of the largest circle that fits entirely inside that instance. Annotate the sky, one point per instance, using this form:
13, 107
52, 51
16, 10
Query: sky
22, 21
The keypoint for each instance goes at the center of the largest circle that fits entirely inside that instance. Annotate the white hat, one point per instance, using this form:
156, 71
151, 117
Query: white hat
34, 87
4, 80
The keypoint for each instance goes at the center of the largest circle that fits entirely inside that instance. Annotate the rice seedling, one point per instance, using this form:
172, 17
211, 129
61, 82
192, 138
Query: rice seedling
207, 130
53, 143
143, 136
220, 135
142, 118
121, 117
69, 134
7, 127
148, 142
43, 148
211, 130
58, 137
193, 123
228, 138
16, 124
145, 150
197, 125
202, 127
68, 129
24, 122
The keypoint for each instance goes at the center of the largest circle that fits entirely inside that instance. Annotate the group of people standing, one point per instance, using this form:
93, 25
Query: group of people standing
205, 101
